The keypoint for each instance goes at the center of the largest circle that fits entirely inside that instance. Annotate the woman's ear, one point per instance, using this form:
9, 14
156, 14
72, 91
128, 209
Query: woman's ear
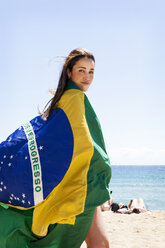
69, 73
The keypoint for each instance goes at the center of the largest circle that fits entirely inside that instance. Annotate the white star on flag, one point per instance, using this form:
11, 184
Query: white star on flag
26, 157
4, 156
41, 147
1, 162
9, 164
11, 156
23, 195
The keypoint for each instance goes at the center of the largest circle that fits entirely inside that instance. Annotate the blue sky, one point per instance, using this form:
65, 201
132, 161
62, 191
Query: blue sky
128, 92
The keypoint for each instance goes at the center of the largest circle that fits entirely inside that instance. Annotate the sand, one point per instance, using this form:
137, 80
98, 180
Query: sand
135, 230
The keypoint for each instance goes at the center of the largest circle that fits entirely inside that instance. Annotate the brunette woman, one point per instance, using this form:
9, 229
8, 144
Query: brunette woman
70, 169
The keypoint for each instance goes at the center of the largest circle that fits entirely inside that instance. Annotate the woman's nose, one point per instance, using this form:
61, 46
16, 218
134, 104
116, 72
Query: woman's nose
87, 76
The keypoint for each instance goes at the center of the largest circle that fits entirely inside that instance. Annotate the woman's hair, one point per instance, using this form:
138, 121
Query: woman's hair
70, 61
114, 207
136, 211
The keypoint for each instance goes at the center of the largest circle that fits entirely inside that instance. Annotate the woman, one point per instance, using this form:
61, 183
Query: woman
66, 180
137, 206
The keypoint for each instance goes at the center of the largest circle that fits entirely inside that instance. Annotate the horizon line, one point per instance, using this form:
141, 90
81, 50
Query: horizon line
137, 164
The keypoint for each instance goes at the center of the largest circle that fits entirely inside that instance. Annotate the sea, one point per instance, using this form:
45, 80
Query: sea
146, 182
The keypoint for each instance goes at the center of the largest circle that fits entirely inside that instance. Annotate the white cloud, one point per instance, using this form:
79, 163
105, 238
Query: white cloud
139, 156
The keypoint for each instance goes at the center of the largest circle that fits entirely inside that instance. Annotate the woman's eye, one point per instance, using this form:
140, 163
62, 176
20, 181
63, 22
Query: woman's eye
91, 72
81, 70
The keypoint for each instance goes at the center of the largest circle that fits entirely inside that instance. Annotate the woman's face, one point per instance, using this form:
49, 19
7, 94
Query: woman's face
82, 73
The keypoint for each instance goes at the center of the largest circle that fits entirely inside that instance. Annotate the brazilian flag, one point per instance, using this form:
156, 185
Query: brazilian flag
58, 168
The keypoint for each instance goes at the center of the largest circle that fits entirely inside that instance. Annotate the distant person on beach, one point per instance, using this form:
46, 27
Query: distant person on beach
137, 206
107, 205
55, 171
134, 206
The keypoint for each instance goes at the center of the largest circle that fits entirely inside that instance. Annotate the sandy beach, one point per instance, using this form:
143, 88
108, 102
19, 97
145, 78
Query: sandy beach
135, 230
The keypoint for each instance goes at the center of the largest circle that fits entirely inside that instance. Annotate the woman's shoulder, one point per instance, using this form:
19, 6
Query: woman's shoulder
73, 96
72, 103
73, 92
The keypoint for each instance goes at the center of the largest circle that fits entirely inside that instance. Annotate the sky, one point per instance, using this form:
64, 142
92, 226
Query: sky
127, 38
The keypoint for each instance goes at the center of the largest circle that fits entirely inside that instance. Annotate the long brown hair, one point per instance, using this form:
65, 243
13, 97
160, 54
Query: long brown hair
70, 61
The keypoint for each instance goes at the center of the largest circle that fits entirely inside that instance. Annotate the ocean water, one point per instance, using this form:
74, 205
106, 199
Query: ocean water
147, 182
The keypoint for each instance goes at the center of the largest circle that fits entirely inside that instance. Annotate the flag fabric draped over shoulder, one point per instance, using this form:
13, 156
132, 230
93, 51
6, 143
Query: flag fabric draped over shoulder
59, 167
